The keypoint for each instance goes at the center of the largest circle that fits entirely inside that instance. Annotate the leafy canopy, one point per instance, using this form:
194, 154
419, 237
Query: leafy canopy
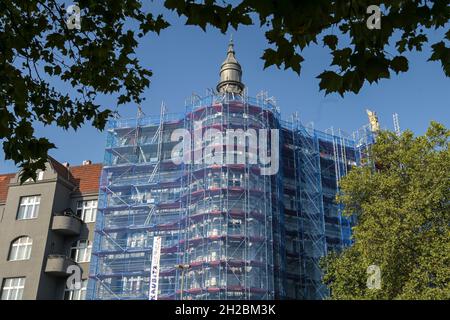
403, 213
38, 52
98, 59
292, 25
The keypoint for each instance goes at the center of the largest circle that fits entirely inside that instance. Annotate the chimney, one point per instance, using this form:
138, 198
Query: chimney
66, 164
87, 162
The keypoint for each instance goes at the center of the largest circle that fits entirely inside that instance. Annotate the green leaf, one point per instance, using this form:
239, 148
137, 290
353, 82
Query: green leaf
331, 41
330, 82
441, 53
399, 64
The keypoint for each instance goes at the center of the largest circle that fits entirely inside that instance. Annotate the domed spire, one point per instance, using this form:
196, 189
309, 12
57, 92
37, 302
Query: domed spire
230, 73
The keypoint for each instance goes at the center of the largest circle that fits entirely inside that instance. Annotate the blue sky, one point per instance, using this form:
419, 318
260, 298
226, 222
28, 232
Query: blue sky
185, 60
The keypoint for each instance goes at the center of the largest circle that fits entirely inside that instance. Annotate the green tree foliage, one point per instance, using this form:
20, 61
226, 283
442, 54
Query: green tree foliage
403, 213
359, 54
99, 58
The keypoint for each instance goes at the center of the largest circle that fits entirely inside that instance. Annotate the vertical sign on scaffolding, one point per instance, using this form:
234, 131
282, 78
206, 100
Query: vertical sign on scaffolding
154, 275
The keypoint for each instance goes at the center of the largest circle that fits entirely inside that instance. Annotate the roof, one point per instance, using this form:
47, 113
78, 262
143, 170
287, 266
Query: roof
87, 177
60, 169
4, 185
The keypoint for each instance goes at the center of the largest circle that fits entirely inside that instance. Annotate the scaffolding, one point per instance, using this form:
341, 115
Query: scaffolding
215, 218
396, 121
310, 208
242, 234
227, 239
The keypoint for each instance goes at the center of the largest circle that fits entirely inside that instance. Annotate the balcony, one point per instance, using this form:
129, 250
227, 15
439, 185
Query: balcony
66, 224
57, 265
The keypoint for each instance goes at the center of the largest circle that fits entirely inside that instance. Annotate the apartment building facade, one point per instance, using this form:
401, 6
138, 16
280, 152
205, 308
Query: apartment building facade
46, 226
214, 230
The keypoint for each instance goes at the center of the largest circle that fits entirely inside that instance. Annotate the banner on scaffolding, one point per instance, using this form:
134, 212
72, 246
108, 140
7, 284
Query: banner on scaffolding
154, 275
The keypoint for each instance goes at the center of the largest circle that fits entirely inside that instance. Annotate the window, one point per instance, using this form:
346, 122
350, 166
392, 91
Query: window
20, 249
76, 294
81, 251
137, 240
87, 210
29, 207
132, 285
12, 288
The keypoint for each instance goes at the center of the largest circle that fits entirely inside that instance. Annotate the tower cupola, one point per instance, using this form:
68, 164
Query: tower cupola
230, 74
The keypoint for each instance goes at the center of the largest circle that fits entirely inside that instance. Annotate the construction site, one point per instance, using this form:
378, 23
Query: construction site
196, 231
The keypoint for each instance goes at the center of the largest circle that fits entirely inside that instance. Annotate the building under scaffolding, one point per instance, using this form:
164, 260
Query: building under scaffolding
238, 233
